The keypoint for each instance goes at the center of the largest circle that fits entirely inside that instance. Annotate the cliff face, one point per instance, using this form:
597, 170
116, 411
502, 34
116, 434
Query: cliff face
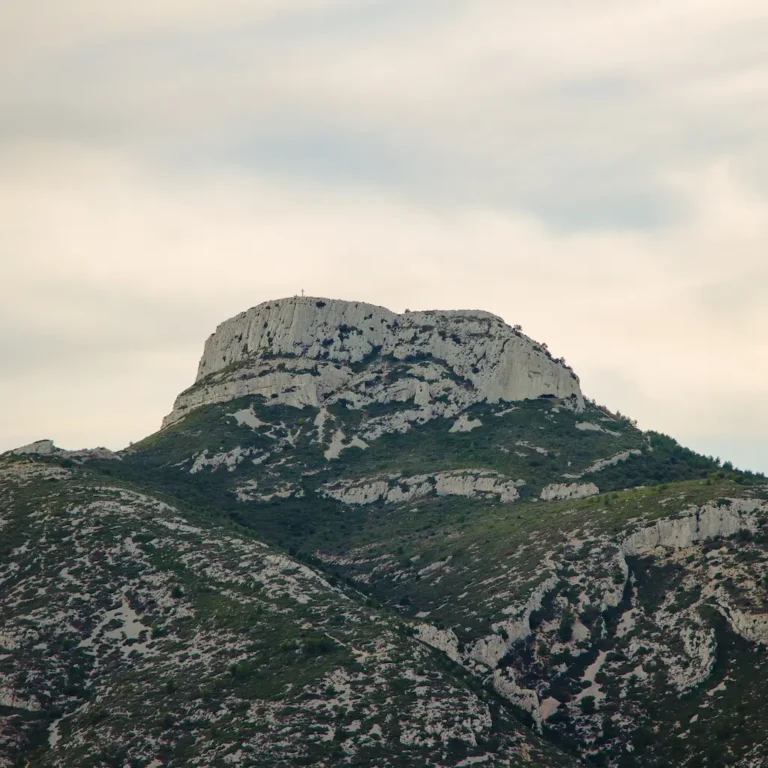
309, 351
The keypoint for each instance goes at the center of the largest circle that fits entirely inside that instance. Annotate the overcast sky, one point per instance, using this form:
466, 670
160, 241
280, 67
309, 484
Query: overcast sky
596, 171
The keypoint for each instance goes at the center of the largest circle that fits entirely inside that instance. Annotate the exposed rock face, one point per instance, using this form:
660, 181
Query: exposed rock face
707, 523
396, 489
465, 424
611, 461
39, 447
250, 492
48, 448
308, 351
443, 639
491, 649
230, 460
568, 491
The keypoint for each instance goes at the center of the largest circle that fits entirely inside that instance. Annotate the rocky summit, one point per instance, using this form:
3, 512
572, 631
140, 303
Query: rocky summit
364, 538
305, 351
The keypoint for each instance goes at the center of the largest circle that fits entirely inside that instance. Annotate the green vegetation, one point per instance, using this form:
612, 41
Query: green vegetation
240, 644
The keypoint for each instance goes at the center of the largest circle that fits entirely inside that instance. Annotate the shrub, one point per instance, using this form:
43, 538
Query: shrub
565, 630
319, 646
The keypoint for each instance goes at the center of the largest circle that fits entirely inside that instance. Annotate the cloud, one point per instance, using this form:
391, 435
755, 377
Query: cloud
570, 115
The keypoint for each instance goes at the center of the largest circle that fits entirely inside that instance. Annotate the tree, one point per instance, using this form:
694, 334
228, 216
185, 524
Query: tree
565, 630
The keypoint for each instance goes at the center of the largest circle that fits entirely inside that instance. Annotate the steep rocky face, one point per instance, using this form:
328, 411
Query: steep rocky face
309, 351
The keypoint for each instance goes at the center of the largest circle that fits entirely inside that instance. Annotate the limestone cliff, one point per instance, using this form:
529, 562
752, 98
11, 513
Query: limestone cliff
309, 351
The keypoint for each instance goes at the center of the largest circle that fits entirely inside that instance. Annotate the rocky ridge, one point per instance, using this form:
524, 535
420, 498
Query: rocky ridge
48, 448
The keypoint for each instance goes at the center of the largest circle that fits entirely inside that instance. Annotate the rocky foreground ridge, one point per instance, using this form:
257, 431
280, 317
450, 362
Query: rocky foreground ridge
370, 539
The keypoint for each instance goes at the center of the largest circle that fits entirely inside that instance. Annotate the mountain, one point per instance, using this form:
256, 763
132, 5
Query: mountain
371, 539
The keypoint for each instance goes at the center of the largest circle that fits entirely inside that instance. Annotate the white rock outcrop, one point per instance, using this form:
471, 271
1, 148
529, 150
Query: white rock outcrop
609, 461
48, 448
39, 447
394, 489
702, 524
489, 650
230, 460
309, 351
444, 640
465, 424
339, 444
568, 491
505, 685
751, 626
249, 491
588, 426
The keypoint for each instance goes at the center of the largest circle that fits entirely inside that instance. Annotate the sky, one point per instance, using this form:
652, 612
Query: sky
596, 171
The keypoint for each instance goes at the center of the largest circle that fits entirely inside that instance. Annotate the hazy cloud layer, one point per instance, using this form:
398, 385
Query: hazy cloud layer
597, 172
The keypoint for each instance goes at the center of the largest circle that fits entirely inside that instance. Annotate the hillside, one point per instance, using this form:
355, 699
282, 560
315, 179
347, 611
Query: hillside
372, 539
